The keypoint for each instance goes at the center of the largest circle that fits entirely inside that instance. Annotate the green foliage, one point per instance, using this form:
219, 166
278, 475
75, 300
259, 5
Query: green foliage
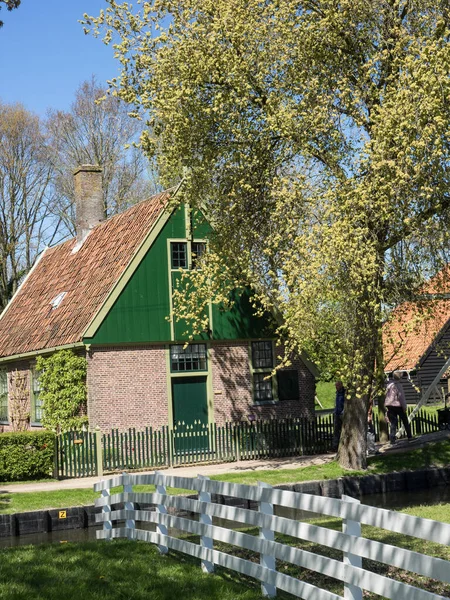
62, 378
26, 455
315, 136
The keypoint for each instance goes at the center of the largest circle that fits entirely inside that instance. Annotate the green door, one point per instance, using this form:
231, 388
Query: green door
190, 414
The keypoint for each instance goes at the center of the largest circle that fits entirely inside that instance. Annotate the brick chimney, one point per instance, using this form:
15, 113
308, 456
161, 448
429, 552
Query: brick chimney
89, 209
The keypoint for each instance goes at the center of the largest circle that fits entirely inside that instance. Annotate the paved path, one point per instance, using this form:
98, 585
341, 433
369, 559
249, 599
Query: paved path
234, 467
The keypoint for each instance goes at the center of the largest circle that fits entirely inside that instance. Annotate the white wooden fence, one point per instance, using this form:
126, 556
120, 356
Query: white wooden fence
353, 546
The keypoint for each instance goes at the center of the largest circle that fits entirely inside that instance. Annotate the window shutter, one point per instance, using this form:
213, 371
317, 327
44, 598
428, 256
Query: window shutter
288, 388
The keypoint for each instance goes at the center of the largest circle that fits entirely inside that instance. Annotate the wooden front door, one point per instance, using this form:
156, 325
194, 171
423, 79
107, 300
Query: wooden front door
190, 413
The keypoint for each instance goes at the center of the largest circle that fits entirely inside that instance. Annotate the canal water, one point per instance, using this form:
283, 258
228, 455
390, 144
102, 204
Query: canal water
391, 501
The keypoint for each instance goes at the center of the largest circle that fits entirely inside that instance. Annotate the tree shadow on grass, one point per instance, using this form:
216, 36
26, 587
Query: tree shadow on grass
5, 501
118, 569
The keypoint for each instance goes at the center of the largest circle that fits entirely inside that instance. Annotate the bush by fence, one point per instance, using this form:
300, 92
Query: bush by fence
26, 455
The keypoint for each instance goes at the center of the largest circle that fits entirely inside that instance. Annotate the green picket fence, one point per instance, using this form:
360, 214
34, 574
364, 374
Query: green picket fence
76, 454
187, 444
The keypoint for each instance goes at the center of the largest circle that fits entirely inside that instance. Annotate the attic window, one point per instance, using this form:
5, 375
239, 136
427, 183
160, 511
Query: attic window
57, 300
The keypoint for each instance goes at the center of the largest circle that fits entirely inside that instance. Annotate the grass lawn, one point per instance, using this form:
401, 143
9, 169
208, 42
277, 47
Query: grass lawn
111, 571
436, 454
134, 570
326, 392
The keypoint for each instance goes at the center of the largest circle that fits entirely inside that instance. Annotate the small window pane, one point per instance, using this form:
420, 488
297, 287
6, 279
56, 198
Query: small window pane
262, 387
192, 358
3, 396
198, 249
37, 402
262, 356
178, 255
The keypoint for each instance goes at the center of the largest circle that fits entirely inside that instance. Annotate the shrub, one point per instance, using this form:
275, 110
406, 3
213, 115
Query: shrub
26, 455
62, 378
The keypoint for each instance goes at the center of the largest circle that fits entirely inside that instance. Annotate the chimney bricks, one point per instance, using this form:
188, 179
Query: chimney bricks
88, 199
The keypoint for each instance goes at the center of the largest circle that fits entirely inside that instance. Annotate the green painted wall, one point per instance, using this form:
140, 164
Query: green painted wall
140, 313
239, 322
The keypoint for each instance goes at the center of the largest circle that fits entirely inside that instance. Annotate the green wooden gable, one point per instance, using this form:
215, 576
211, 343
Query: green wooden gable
140, 313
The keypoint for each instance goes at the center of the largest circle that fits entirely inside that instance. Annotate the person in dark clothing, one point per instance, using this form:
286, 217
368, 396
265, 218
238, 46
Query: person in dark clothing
395, 404
338, 412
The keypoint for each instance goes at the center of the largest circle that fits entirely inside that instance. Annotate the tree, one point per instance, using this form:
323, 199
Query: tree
25, 174
316, 136
96, 131
10, 5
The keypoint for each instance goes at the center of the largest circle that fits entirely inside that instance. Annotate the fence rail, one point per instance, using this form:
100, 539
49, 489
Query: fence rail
350, 541
82, 454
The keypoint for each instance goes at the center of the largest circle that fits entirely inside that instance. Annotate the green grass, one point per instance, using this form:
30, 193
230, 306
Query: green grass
134, 570
432, 455
15, 502
112, 571
326, 392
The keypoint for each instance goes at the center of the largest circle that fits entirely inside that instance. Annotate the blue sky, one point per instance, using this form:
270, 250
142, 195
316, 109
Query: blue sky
45, 55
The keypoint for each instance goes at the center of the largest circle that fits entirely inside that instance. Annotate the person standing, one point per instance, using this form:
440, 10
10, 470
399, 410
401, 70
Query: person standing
338, 412
395, 404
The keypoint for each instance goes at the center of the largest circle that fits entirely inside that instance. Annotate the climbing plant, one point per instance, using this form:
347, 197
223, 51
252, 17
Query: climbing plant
62, 379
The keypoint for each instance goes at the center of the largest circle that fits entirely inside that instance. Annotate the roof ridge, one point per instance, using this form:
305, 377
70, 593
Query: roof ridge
120, 214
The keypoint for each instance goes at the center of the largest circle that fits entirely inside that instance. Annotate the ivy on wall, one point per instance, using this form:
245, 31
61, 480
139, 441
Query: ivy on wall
62, 380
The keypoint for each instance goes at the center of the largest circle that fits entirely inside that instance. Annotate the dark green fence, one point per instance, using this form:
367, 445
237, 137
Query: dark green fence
199, 443
76, 454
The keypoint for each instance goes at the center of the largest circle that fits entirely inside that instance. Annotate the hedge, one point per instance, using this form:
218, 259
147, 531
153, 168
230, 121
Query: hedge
26, 455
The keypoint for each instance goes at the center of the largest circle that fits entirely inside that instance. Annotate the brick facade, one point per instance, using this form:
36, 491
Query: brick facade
232, 387
127, 387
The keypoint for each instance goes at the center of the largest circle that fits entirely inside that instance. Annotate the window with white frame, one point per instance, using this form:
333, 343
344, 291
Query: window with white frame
262, 365
3, 396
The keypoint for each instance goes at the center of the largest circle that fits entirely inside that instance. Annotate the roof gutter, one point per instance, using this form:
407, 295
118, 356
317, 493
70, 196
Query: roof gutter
32, 353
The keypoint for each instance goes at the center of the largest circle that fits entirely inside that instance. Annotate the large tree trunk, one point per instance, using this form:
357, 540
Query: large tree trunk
352, 451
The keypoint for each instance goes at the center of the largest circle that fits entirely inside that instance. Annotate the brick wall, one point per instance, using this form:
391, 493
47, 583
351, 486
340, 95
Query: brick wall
232, 387
127, 387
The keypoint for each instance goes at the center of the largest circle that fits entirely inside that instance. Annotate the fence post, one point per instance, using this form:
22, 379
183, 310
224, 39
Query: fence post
162, 510
99, 451
56, 457
237, 443
106, 510
130, 524
170, 447
352, 592
267, 560
205, 542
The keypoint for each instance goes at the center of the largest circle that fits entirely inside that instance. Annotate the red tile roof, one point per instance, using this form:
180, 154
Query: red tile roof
87, 276
412, 329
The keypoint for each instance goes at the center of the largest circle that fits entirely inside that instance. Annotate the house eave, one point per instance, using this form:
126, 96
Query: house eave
31, 353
